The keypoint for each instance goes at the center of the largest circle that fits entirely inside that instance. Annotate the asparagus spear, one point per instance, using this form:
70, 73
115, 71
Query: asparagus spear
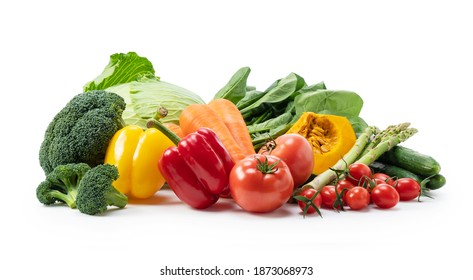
329, 175
383, 142
388, 141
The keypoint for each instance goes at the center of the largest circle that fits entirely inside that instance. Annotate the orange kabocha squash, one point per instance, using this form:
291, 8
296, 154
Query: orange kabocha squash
330, 136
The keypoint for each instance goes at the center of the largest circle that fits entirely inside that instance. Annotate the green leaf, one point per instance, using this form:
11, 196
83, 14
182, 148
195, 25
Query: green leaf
235, 89
283, 119
277, 93
359, 125
258, 139
311, 88
122, 68
339, 102
149, 94
250, 98
133, 78
145, 96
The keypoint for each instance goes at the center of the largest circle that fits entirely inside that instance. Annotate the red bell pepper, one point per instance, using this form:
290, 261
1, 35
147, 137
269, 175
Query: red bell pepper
197, 170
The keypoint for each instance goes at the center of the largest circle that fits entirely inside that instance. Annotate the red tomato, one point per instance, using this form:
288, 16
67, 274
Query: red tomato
358, 198
384, 196
316, 200
384, 178
261, 191
379, 181
344, 184
407, 188
328, 196
297, 153
359, 174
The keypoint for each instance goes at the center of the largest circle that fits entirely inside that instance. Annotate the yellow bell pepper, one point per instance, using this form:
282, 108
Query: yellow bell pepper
136, 152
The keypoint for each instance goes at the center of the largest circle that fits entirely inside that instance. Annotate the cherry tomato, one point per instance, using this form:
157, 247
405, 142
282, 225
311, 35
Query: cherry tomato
328, 196
255, 190
358, 198
344, 184
359, 174
407, 188
379, 181
384, 196
384, 178
316, 200
297, 153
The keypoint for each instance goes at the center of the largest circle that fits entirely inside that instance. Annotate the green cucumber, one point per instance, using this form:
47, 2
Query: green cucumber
394, 171
436, 182
411, 160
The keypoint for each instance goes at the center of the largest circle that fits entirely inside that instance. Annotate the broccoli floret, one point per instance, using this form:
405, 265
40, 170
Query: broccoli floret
61, 184
81, 131
96, 191
47, 195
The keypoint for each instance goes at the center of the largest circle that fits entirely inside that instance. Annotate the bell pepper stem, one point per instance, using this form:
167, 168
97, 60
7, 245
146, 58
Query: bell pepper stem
168, 133
161, 113
155, 123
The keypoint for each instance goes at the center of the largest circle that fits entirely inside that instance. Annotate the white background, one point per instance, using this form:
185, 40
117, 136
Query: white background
409, 60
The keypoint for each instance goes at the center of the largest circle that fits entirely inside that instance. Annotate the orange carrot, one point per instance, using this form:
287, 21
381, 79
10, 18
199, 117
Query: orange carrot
233, 119
196, 116
174, 128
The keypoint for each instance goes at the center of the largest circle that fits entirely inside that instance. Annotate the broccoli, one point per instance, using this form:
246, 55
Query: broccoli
61, 184
96, 191
81, 131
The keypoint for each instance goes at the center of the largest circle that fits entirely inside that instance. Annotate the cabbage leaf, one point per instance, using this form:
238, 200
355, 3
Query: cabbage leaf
133, 78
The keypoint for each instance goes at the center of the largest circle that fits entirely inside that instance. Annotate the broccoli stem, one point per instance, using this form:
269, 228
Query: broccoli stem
116, 198
69, 198
71, 190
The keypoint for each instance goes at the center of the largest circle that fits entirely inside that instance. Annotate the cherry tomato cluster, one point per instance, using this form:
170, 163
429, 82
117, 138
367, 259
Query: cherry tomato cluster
359, 189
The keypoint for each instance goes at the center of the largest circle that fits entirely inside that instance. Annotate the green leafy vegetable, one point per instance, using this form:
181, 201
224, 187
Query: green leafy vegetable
339, 102
250, 98
235, 89
122, 69
271, 112
277, 93
146, 95
133, 78
358, 124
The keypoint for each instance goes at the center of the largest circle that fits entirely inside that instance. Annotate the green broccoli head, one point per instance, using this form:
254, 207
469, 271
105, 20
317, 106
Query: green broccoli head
46, 193
96, 191
81, 131
61, 184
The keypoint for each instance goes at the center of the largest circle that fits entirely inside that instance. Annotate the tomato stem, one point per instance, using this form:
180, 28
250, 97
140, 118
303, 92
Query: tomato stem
265, 167
269, 146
